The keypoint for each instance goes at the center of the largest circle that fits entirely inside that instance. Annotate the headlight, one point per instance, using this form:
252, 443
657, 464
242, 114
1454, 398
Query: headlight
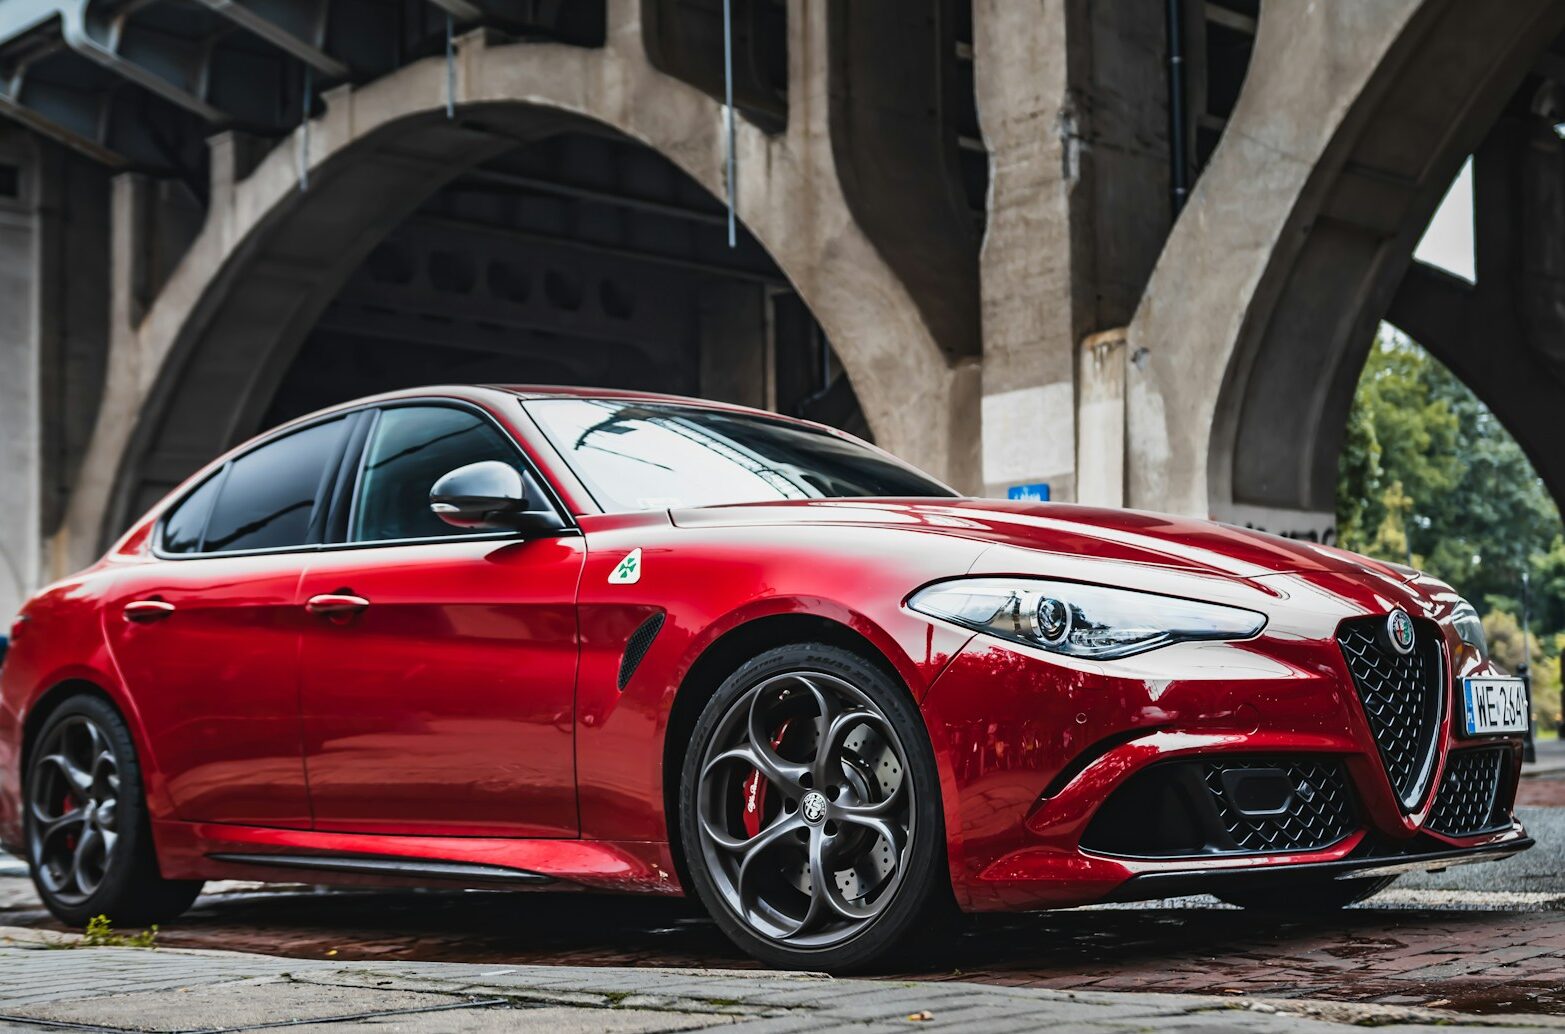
1469, 626
1077, 620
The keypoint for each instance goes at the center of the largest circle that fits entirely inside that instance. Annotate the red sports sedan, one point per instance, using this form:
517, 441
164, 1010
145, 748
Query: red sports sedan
516, 637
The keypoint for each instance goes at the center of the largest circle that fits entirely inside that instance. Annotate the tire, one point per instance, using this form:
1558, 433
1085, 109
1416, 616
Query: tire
88, 832
865, 811
1307, 896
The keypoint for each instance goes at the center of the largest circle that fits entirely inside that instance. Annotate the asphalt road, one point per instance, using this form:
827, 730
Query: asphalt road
1538, 871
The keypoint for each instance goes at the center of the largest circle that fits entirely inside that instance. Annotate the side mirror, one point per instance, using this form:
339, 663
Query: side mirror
491, 495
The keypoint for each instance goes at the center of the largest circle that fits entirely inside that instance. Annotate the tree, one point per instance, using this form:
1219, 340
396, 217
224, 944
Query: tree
1429, 477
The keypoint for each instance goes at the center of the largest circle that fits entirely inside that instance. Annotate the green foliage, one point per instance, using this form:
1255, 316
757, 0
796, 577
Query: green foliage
1428, 477
100, 933
1506, 644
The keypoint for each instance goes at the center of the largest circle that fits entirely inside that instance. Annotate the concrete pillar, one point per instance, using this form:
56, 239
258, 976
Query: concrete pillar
1070, 97
20, 452
1100, 446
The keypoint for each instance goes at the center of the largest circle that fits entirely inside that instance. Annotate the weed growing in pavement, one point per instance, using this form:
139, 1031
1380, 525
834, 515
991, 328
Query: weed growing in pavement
100, 933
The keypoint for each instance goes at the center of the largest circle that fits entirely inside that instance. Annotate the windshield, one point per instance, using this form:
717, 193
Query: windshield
653, 456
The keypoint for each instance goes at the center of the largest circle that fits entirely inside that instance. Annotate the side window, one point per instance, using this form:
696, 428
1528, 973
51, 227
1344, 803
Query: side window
183, 526
268, 495
411, 448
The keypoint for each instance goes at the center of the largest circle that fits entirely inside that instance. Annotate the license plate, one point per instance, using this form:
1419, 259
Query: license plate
1495, 706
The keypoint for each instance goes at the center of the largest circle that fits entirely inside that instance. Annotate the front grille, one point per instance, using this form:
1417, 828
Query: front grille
1214, 806
1470, 800
1319, 813
1402, 695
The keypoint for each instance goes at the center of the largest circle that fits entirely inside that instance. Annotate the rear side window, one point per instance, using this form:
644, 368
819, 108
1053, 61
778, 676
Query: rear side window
186, 522
268, 495
412, 448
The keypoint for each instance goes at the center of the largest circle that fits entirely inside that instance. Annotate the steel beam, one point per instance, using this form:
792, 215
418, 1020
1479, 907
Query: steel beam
106, 49
461, 10
296, 27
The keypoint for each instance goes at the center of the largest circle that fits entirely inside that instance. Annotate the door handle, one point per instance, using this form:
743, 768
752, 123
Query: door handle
336, 604
144, 611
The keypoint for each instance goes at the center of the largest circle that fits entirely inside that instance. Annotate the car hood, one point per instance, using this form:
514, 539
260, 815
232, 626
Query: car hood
1125, 536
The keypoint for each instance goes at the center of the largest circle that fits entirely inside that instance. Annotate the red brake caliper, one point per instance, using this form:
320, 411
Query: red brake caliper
754, 790
65, 809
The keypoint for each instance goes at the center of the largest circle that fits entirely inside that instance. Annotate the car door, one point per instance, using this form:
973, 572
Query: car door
439, 666
206, 636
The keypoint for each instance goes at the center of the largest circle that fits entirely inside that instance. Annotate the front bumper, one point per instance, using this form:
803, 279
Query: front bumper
1031, 748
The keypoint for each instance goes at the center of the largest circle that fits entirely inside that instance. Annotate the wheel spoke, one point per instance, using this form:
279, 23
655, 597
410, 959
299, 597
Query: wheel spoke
91, 842
777, 771
883, 827
852, 809
754, 849
824, 711
828, 757
48, 825
717, 836
772, 765
79, 779
824, 892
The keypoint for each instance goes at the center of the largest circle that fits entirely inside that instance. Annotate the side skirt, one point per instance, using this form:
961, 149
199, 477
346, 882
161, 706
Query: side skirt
217, 851
410, 868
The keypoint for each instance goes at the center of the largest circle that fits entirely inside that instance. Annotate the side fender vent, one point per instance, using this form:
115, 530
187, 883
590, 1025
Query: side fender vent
636, 647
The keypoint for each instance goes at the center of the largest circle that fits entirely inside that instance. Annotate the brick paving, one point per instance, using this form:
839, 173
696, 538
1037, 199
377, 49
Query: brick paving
1457, 950
1462, 960
107, 989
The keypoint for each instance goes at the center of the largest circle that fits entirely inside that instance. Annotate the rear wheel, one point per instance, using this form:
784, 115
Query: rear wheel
809, 807
1307, 896
89, 837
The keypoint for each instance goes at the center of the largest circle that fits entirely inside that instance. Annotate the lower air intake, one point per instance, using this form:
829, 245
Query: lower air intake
1250, 805
1474, 795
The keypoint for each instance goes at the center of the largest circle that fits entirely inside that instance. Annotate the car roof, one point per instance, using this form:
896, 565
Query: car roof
534, 392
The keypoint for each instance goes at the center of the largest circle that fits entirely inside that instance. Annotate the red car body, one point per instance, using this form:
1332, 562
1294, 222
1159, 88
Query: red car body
266, 729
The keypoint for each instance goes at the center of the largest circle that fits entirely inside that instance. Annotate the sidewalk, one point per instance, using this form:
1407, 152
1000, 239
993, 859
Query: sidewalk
1551, 759
127, 989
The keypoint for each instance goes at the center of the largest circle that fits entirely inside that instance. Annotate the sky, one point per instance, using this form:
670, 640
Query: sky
1448, 242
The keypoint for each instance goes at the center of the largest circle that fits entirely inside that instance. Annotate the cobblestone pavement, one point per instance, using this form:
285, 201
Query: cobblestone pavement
115, 989
1483, 939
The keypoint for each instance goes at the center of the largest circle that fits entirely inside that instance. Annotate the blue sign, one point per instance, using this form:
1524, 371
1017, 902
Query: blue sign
1034, 493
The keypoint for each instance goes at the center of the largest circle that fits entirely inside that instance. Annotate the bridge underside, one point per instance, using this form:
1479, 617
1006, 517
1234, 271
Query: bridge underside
965, 228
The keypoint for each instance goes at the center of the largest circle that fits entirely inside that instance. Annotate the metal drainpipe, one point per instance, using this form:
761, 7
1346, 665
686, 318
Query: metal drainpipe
1179, 164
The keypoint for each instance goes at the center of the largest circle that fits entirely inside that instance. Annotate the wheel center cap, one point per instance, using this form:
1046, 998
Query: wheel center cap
813, 807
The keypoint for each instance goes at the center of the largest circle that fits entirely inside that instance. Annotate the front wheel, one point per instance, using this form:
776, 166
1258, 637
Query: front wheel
89, 838
810, 812
1308, 896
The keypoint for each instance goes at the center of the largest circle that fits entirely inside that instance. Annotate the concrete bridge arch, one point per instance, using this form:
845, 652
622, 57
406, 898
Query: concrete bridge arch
1247, 344
191, 367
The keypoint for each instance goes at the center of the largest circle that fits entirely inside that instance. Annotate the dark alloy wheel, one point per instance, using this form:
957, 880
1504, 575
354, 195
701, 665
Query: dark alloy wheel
809, 808
89, 841
1309, 896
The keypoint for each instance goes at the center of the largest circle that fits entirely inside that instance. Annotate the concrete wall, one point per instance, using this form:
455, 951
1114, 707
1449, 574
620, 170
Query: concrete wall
21, 457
